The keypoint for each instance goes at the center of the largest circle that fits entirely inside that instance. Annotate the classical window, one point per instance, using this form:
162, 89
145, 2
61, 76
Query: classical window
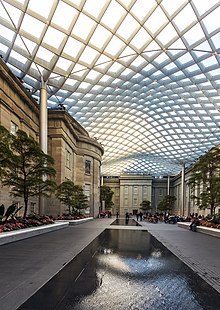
14, 128
87, 166
145, 189
135, 190
135, 201
126, 190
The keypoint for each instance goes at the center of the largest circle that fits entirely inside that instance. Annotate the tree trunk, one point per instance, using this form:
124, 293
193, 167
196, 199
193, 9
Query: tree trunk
25, 207
212, 208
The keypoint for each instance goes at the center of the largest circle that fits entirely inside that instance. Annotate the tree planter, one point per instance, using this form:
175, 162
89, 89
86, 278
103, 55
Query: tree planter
15, 235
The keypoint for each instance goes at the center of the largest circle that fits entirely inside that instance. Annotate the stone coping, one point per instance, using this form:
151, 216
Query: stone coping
202, 229
16, 235
76, 222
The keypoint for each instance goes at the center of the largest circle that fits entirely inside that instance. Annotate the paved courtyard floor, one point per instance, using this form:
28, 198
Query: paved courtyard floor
27, 264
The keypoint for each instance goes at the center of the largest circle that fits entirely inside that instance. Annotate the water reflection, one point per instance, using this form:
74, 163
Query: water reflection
131, 270
126, 221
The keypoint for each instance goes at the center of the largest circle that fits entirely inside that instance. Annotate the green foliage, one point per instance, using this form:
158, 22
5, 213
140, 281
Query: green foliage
5, 151
167, 204
145, 205
26, 169
214, 218
106, 195
72, 196
206, 177
10, 212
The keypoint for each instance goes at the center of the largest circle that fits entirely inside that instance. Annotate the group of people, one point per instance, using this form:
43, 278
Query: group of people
139, 216
161, 217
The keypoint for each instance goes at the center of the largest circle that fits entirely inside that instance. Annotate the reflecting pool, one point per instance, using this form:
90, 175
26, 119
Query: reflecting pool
125, 269
130, 222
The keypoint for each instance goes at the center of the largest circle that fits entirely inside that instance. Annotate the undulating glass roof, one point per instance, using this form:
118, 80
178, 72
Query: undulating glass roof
142, 77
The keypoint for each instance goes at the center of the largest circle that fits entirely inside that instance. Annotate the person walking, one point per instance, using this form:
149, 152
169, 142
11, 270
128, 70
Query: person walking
141, 216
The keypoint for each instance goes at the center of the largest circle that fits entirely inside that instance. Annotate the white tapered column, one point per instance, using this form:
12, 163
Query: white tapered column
168, 185
182, 190
43, 132
43, 116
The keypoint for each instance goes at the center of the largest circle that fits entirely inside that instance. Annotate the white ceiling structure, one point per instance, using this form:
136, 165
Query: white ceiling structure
142, 77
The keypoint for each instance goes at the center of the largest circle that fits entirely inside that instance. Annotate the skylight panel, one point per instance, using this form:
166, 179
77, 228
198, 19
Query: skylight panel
78, 69
103, 62
194, 34
13, 12
65, 18
100, 37
18, 57
193, 68
89, 55
44, 54
105, 79
152, 49
84, 85
92, 9
119, 12
156, 20
141, 8
42, 10
161, 58
185, 58
167, 34
21, 1
141, 38
127, 27
216, 40
83, 26
138, 61
63, 63
116, 68
184, 18
15, 70
36, 25
53, 37
170, 66
72, 47
114, 46
8, 34
215, 72
208, 20
93, 75
172, 6
30, 80
26, 44
209, 62
3, 48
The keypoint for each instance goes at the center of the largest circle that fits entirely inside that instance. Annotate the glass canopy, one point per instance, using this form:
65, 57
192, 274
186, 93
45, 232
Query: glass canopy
142, 77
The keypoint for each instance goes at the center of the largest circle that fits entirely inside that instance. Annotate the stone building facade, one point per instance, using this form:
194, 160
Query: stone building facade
77, 156
131, 190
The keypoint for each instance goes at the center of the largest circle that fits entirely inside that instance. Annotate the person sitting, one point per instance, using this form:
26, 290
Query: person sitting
194, 223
